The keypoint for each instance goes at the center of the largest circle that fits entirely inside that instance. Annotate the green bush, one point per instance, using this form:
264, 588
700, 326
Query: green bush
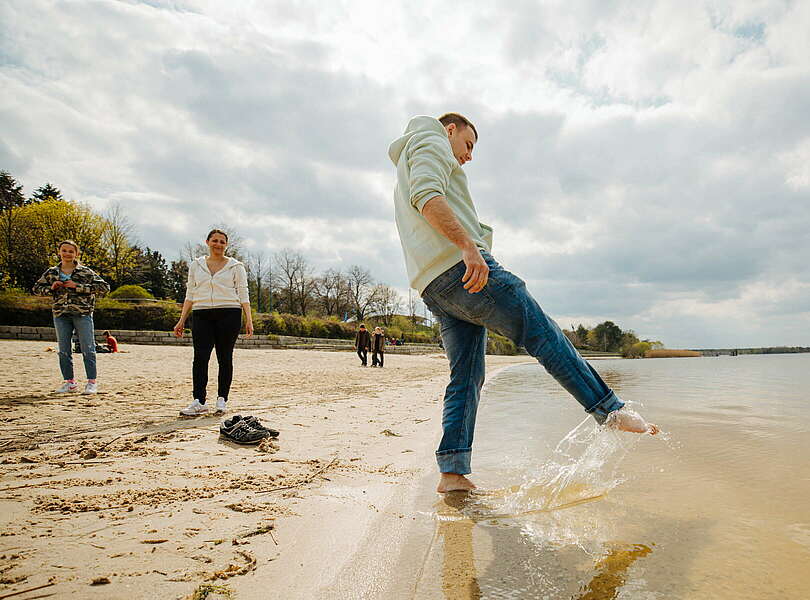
421, 337
130, 291
35, 311
316, 328
107, 303
298, 326
636, 350
12, 292
498, 344
160, 316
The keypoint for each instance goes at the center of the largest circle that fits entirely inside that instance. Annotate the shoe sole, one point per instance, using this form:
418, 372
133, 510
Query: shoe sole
200, 414
230, 439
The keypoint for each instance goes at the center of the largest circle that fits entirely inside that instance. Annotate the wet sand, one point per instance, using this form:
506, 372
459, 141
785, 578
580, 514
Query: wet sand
715, 507
118, 490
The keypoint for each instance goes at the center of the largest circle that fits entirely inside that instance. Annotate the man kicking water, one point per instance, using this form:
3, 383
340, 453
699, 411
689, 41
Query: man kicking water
447, 256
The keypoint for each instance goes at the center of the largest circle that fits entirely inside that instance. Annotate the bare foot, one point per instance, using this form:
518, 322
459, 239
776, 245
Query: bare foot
628, 420
453, 482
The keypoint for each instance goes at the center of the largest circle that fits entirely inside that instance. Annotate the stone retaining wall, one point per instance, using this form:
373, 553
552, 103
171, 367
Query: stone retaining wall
166, 338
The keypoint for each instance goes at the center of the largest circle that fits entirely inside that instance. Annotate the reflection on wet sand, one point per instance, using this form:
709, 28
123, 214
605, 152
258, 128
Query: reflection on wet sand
458, 513
459, 580
612, 572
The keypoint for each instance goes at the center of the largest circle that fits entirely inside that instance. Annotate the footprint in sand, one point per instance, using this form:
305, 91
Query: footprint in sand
800, 533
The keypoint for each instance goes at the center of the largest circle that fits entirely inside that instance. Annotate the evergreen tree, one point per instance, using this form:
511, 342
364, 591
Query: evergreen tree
45, 192
582, 336
11, 198
155, 274
605, 337
177, 277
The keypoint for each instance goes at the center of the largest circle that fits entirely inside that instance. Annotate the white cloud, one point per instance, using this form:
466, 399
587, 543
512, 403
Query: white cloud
642, 163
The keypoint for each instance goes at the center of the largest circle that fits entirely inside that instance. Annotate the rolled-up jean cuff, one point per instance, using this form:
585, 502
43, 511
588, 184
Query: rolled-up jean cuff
604, 407
454, 461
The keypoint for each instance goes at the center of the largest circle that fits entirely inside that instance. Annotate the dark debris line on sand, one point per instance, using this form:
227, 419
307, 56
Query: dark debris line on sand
305, 481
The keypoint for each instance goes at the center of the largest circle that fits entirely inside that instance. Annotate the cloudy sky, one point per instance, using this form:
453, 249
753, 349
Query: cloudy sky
647, 163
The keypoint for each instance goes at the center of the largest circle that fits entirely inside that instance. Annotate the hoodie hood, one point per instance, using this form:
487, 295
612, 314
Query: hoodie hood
415, 125
202, 260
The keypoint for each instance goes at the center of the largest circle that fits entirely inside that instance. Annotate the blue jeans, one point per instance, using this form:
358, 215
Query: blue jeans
506, 307
83, 325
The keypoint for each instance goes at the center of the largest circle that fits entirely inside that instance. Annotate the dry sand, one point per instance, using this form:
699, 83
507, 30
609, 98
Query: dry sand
115, 496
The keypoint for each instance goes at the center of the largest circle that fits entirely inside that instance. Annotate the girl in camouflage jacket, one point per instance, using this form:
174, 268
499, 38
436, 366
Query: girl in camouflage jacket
73, 288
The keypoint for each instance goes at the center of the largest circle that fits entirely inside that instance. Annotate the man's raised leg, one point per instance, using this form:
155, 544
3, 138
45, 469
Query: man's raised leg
518, 316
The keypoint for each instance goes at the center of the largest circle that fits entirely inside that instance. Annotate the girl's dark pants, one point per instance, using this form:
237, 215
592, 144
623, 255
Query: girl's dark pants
377, 358
214, 328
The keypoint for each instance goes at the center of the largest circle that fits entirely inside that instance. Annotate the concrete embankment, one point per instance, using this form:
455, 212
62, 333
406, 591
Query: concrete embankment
166, 338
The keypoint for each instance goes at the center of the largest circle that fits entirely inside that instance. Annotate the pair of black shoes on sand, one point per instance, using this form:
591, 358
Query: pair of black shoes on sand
245, 430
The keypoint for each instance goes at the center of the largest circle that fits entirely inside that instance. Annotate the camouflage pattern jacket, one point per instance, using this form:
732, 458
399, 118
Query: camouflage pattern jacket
78, 301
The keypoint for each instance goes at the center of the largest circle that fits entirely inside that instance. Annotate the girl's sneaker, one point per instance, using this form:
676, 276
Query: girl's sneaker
221, 405
68, 386
90, 388
194, 409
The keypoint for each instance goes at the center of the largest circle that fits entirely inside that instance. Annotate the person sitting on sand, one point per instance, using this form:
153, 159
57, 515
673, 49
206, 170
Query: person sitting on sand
447, 255
377, 347
362, 342
112, 343
74, 288
216, 295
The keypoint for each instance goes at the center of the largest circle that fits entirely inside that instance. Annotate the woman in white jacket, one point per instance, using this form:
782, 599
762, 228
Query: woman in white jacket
216, 295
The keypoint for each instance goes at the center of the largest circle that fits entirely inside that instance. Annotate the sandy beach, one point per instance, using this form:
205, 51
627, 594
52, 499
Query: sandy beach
115, 496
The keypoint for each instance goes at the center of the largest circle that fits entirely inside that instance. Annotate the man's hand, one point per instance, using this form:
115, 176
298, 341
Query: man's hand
477, 273
442, 218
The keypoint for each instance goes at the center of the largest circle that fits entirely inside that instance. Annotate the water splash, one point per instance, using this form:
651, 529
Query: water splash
583, 467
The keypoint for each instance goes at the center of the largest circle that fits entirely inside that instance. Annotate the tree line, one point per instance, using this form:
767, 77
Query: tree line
609, 337
283, 281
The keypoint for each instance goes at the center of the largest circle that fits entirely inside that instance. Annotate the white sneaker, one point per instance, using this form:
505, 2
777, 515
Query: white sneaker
220, 405
68, 386
194, 409
90, 388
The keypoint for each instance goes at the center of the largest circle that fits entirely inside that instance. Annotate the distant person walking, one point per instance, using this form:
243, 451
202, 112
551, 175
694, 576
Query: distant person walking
216, 296
74, 288
377, 347
447, 254
362, 342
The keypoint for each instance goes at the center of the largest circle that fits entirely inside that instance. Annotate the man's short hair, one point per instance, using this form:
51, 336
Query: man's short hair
459, 121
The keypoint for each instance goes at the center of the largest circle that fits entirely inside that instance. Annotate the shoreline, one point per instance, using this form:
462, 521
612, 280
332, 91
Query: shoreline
117, 486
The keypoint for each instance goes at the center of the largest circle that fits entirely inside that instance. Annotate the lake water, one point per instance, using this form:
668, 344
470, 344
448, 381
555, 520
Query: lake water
717, 507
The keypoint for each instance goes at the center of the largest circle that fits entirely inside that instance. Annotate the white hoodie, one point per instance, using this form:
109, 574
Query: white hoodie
227, 288
426, 168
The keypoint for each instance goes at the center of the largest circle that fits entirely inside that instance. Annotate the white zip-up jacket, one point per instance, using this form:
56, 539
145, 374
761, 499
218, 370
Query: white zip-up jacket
227, 288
